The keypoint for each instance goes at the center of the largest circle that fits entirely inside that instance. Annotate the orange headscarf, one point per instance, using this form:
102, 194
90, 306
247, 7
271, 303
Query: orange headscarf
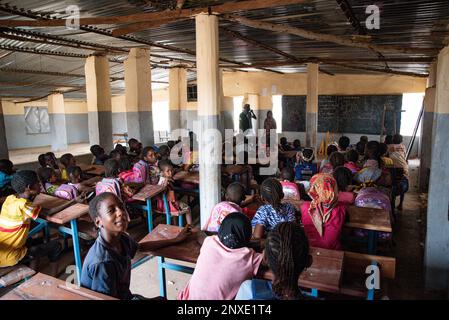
324, 194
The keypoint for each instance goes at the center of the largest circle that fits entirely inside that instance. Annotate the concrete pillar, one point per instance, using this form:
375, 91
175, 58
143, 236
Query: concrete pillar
56, 110
98, 91
436, 256
4, 154
426, 129
177, 94
138, 96
312, 106
209, 98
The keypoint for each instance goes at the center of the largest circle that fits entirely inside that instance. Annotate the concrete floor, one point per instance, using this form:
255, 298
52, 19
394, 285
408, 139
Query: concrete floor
21, 156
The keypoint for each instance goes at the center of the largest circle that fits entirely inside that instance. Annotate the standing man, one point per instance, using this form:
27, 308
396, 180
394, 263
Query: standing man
246, 117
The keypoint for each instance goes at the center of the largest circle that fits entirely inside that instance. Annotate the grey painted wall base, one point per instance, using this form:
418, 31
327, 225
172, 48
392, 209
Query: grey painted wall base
58, 127
436, 257
187, 118
311, 130
146, 127
4, 154
100, 129
210, 172
426, 150
175, 120
226, 121
17, 138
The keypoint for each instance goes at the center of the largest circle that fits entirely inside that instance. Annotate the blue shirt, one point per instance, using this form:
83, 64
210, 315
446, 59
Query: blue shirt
4, 179
255, 289
269, 218
107, 271
305, 171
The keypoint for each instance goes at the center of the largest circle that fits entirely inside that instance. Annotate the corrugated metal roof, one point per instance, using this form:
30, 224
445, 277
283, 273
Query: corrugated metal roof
408, 23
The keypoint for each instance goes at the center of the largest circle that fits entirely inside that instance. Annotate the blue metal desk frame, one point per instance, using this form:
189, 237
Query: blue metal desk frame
162, 265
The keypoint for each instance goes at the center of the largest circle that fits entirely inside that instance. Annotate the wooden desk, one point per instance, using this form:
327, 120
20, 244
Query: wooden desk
145, 195
368, 219
324, 274
371, 220
68, 215
44, 287
94, 169
187, 176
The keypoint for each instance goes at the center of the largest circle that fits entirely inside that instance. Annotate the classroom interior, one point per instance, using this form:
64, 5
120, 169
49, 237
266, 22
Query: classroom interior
103, 72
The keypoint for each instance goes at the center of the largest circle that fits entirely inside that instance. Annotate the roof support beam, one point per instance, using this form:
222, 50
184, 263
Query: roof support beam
344, 41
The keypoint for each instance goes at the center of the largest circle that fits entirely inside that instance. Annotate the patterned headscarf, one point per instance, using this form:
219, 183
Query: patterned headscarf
324, 194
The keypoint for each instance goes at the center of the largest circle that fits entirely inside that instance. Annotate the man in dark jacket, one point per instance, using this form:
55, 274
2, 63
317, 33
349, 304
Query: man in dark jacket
245, 122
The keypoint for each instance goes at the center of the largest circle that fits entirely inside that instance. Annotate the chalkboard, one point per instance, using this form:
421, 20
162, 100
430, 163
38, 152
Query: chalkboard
344, 114
358, 114
294, 113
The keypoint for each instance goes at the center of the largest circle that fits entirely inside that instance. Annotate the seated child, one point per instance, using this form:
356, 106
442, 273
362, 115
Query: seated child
373, 161
287, 255
343, 144
176, 207
164, 152
67, 160
135, 150
74, 173
305, 169
235, 196
15, 216
274, 211
6, 172
126, 170
146, 170
115, 154
360, 148
336, 159
99, 155
111, 183
297, 145
49, 183
343, 176
121, 149
48, 160
227, 253
330, 149
107, 266
289, 187
387, 162
284, 145
323, 218
351, 161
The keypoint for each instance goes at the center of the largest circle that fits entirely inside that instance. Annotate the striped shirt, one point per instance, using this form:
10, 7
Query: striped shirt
14, 227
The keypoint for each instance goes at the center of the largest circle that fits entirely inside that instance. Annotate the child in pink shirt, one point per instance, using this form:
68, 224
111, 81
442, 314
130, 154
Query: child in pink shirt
351, 161
290, 188
224, 263
343, 176
323, 218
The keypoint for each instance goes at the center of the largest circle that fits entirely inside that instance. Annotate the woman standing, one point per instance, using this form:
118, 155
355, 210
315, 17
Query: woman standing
269, 124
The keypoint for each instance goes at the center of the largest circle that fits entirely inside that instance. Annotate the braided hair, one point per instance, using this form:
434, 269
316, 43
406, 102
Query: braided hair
271, 191
287, 252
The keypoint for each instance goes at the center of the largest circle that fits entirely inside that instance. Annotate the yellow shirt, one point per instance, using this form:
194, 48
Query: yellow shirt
64, 175
388, 162
14, 227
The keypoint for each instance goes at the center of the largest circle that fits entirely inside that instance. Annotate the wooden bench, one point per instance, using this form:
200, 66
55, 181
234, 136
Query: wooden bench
354, 274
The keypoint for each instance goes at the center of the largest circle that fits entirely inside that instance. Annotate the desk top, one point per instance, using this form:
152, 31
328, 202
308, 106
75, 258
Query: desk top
368, 219
44, 287
94, 169
357, 217
73, 212
325, 273
148, 191
186, 176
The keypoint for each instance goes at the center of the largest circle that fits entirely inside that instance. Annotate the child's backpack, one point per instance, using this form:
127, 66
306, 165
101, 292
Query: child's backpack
65, 191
